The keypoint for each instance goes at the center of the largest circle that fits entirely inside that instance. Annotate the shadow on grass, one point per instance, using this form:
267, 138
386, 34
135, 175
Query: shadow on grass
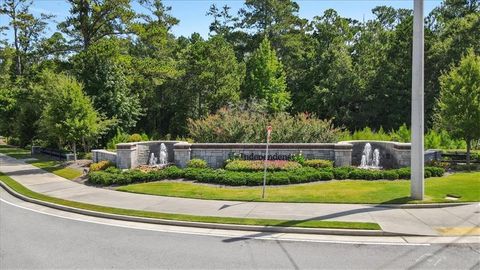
401, 200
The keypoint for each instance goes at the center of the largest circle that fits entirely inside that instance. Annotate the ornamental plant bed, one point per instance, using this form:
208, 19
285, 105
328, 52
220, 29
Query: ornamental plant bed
258, 165
113, 176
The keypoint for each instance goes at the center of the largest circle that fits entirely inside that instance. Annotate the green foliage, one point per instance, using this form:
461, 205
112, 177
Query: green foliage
197, 163
298, 158
135, 70
137, 137
69, 115
89, 21
242, 175
266, 79
101, 166
104, 70
120, 137
118, 177
459, 103
258, 165
236, 126
433, 139
318, 163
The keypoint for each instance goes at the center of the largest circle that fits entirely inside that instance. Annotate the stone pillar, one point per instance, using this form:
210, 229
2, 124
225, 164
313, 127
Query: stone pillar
402, 153
343, 154
127, 155
182, 154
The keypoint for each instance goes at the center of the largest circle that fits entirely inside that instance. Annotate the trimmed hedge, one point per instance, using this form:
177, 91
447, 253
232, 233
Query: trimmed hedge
113, 176
117, 177
258, 165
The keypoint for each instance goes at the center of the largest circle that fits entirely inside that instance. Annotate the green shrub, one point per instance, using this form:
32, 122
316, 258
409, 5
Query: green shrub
390, 175
112, 170
100, 166
119, 138
298, 158
435, 171
242, 125
278, 178
465, 167
197, 163
258, 165
341, 173
404, 173
113, 176
103, 178
363, 174
134, 138
318, 163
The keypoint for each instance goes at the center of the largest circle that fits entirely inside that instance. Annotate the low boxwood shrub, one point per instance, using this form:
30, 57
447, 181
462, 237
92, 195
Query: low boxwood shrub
197, 163
341, 173
103, 178
100, 166
258, 165
404, 173
318, 163
114, 176
435, 171
390, 175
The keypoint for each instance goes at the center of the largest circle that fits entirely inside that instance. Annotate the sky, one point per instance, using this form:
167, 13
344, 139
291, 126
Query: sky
191, 13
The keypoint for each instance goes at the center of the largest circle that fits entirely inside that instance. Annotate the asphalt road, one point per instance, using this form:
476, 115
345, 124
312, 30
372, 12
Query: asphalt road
31, 239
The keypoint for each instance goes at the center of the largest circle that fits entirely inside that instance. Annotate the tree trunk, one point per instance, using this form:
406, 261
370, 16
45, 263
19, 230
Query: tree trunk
469, 146
75, 151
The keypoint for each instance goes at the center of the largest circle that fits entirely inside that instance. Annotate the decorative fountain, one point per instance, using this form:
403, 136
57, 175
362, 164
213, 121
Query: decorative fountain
162, 160
370, 160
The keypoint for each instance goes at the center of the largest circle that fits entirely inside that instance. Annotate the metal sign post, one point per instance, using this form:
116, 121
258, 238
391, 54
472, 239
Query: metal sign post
269, 132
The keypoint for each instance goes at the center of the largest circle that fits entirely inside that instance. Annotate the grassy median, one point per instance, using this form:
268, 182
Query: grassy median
180, 217
466, 186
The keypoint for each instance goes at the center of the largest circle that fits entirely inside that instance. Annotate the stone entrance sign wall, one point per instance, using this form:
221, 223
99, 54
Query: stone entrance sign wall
131, 155
217, 153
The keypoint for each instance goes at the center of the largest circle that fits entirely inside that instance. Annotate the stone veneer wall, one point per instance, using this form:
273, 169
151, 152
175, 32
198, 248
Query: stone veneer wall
217, 153
131, 155
99, 155
392, 154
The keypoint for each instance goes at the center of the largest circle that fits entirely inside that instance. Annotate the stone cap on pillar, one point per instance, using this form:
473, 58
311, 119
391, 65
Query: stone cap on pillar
182, 145
126, 146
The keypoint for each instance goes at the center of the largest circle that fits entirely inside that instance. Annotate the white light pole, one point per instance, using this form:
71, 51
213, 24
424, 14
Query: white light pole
269, 132
417, 156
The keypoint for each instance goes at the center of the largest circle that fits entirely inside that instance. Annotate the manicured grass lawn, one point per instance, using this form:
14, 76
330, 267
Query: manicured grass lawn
14, 152
207, 219
56, 168
466, 185
42, 162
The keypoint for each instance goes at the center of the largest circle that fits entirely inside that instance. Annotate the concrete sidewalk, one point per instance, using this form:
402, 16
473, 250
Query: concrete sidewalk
427, 221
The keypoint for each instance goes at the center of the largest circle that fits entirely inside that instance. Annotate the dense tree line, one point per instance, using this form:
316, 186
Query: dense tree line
136, 76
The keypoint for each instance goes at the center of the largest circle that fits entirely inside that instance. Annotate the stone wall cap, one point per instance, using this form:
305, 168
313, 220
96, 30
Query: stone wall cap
182, 145
126, 146
396, 145
293, 146
344, 145
156, 142
103, 151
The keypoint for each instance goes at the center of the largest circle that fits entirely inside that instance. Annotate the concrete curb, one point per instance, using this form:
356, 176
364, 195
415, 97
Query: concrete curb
252, 228
420, 206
